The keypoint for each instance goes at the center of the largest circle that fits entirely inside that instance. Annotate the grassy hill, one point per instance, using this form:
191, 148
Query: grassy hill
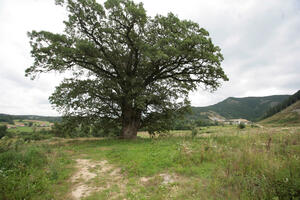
250, 108
288, 116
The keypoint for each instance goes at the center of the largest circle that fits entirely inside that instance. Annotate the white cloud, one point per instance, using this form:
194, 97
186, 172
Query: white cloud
20, 94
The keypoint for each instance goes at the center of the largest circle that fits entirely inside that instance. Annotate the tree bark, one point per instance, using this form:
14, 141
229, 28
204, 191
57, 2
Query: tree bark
129, 130
130, 124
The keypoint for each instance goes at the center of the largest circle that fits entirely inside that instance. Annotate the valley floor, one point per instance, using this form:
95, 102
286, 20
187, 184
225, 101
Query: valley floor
219, 163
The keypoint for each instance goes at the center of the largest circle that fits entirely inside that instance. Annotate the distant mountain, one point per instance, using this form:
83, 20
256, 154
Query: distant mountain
250, 108
9, 118
287, 116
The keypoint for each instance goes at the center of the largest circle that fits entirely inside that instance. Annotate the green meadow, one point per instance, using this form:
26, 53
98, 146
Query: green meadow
217, 163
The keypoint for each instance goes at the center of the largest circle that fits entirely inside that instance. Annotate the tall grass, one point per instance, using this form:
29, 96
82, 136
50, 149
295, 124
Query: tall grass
31, 171
252, 164
218, 163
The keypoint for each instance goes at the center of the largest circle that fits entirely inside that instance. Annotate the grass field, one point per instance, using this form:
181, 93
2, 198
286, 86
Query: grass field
219, 163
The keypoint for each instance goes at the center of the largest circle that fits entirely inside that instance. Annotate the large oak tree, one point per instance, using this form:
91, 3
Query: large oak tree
128, 68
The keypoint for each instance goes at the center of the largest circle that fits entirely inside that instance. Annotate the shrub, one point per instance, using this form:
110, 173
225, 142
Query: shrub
241, 125
194, 132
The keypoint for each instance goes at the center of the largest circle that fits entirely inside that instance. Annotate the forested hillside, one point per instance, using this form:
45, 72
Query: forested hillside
287, 116
250, 108
286, 103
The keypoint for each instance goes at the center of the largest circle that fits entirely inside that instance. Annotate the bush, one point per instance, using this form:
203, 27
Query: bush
64, 129
30, 124
194, 132
241, 125
35, 136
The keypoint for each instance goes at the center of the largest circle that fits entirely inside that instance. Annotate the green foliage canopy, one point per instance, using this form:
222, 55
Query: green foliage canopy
127, 67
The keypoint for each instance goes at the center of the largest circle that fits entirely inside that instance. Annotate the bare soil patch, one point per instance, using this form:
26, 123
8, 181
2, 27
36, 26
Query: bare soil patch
95, 176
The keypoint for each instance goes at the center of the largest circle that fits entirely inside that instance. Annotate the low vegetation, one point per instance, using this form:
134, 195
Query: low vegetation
242, 126
216, 163
32, 170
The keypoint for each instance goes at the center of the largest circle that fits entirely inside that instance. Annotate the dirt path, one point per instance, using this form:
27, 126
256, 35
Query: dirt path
96, 176
93, 177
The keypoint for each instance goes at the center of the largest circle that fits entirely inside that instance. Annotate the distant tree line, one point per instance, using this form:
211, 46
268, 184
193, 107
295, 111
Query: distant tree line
276, 109
36, 117
6, 118
9, 118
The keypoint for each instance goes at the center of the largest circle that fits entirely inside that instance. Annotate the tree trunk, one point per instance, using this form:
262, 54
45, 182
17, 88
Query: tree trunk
130, 124
129, 130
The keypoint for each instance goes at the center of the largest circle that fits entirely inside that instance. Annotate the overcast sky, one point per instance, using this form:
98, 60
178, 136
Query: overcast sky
260, 41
